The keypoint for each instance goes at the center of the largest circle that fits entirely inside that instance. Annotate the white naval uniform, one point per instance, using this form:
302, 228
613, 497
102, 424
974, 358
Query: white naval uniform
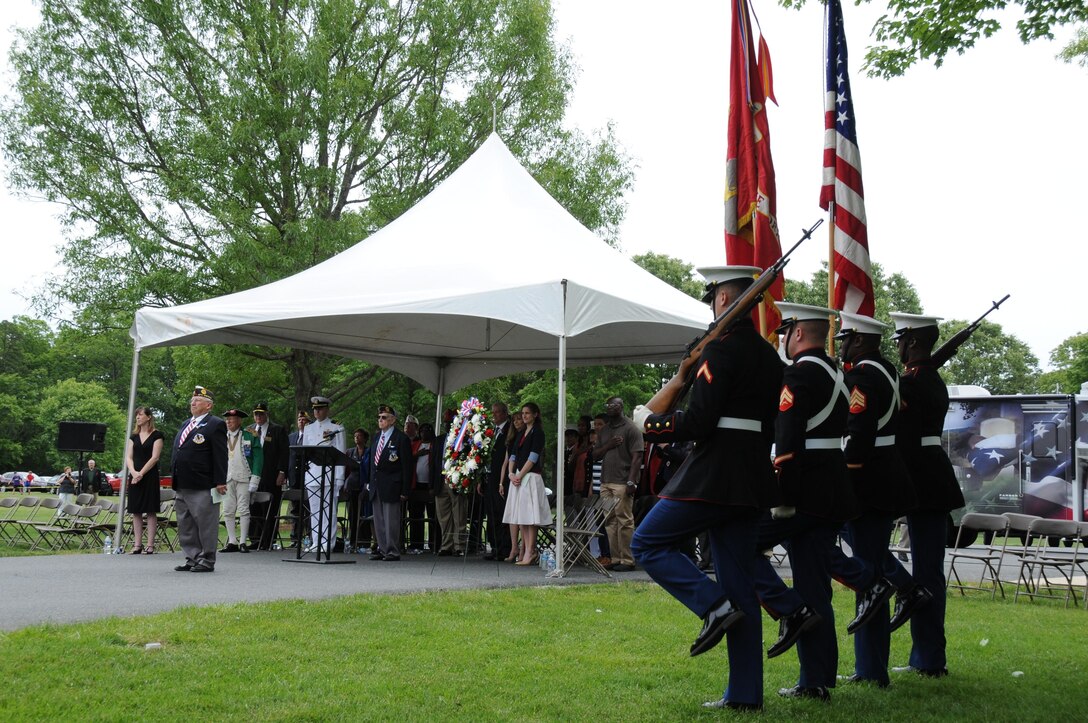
326, 434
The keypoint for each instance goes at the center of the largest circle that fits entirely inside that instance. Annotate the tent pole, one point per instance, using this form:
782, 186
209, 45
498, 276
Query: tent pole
124, 455
438, 399
560, 449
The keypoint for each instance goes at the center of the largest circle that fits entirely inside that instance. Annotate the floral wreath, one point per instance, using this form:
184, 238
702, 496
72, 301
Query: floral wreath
467, 451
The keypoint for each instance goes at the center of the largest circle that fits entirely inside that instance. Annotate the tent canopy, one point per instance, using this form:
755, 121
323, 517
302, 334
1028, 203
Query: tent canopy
477, 280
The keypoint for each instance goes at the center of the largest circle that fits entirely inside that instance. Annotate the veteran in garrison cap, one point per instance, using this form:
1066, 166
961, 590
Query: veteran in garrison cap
199, 469
391, 470
924, 405
323, 432
722, 487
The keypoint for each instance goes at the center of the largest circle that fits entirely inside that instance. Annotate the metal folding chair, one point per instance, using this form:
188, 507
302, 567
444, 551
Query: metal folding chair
988, 555
1042, 565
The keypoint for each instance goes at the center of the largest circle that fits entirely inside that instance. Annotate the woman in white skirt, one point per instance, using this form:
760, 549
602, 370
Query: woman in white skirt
526, 502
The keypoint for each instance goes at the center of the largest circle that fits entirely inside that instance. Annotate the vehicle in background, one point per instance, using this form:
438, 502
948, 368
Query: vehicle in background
115, 483
1025, 453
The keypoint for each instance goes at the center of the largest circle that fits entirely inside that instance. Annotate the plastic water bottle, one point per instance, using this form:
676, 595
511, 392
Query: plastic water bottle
551, 561
107, 549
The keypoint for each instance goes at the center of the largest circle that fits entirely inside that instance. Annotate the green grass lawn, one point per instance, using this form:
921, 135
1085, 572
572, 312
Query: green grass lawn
579, 653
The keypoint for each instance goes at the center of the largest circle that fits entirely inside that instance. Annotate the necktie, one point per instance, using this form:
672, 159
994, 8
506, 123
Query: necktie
378, 451
185, 432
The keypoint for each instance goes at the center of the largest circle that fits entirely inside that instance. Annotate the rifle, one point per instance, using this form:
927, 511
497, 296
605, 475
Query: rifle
741, 307
950, 347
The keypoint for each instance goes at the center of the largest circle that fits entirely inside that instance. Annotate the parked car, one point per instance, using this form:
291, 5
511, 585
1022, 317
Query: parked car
20, 480
115, 483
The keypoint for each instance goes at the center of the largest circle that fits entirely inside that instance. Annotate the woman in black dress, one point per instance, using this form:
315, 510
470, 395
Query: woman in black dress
142, 457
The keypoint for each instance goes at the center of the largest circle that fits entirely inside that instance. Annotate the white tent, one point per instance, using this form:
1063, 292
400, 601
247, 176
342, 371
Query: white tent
479, 279
486, 276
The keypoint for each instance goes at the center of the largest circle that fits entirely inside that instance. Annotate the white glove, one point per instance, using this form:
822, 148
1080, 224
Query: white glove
640, 415
254, 482
783, 512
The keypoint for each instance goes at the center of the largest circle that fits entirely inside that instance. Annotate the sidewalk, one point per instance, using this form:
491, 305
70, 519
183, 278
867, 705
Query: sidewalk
72, 588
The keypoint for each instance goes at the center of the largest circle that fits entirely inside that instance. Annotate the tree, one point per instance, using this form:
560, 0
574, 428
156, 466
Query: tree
1070, 366
1077, 50
24, 349
914, 30
998, 362
71, 401
202, 148
673, 271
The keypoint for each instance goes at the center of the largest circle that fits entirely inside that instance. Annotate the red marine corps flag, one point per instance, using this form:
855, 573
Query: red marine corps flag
751, 228
851, 288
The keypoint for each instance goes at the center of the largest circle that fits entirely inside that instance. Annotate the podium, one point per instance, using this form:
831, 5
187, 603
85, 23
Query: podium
326, 458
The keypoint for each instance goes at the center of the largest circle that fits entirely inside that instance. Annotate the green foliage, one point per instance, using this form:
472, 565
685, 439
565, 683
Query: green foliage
517, 668
1077, 49
206, 148
1070, 366
72, 401
992, 359
675, 272
914, 30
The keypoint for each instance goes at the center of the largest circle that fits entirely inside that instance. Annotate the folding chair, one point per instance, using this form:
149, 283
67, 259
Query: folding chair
900, 542
24, 528
261, 498
46, 530
84, 498
579, 532
24, 510
291, 496
1039, 559
989, 555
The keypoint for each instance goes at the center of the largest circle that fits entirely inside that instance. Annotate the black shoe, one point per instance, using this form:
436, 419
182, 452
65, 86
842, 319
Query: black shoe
445, 553
928, 673
818, 693
489, 556
243, 547
183, 568
458, 553
377, 556
231, 547
733, 705
202, 568
907, 603
723, 616
855, 678
790, 629
872, 602
391, 558
622, 567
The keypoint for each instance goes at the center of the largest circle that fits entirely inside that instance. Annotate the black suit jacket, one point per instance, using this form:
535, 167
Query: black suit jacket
498, 456
391, 475
925, 403
275, 456
201, 462
91, 480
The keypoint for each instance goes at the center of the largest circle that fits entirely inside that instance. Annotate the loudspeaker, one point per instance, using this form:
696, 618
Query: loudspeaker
81, 437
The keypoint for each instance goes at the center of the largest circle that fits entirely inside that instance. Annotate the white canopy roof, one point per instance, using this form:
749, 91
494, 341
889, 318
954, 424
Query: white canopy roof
480, 278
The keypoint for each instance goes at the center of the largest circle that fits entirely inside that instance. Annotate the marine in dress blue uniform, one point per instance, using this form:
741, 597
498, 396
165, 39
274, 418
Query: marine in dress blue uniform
925, 403
883, 488
816, 498
722, 487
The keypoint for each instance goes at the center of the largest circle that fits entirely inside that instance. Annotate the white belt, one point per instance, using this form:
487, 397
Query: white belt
931, 441
744, 425
887, 440
824, 443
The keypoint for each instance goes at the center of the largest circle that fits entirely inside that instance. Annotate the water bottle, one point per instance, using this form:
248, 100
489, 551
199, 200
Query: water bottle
551, 561
107, 549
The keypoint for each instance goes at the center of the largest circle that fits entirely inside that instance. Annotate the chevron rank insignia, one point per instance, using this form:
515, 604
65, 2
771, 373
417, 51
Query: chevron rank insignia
785, 399
857, 401
704, 371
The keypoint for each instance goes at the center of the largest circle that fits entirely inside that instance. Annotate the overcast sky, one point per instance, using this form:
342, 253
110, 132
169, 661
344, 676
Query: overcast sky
974, 173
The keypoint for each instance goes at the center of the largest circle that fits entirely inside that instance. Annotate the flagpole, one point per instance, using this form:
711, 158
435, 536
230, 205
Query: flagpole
831, 275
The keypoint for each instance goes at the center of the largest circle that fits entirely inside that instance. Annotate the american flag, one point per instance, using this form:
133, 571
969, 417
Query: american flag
842, 178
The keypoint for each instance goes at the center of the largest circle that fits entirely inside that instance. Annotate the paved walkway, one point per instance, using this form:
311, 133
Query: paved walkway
71, 588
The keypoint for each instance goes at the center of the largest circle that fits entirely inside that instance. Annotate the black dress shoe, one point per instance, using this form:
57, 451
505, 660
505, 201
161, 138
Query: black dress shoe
927, 672
733, 705
790, 629
489, 556
907, 603
855, 678
377, 556
817, 693
231, 547
721, 617
243, 547
202, 568
391, 558
872, 602
183, 568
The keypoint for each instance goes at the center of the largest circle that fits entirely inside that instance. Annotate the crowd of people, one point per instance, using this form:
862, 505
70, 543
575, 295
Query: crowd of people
856, 445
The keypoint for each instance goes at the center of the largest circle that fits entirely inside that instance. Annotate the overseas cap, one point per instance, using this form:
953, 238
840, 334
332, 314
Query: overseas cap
715, 275
858, 324
203, 393
793, 313
261, 407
